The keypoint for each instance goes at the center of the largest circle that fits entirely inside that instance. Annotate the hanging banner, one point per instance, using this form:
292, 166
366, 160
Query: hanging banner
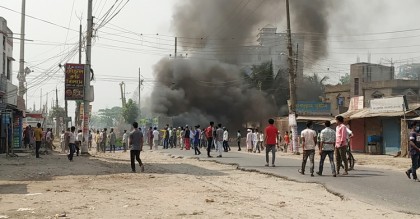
74, 81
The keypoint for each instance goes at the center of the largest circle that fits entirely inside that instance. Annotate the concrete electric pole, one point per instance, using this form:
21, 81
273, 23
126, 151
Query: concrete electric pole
21, 74
140, 83
87, 77
292, 83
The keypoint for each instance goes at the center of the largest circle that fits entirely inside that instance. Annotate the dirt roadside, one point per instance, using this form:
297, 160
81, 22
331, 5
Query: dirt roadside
103, 187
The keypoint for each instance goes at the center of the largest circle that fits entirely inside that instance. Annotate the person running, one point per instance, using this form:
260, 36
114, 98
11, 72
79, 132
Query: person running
135, 140
309, 140
326, 147
226, 140
197, 133
209, 136
415, 154
155, 138
341, 145
187, 138
72, 143
219, 139
249, 143
255, 141
238, 139
271, 133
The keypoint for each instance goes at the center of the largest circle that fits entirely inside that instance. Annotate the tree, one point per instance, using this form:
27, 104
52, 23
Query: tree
312, 88
345, 79
130, 112
57, 112
261, 76
108, 117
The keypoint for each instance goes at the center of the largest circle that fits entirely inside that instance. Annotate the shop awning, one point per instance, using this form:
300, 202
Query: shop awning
367, 113
314, 118
35, 115
415, 119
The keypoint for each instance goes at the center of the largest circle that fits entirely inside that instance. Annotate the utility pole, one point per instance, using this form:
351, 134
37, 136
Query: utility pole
87, 77
21, 74
176, 46
140, 83
122, 86
56, 117
292, 82
296, 62
78, 102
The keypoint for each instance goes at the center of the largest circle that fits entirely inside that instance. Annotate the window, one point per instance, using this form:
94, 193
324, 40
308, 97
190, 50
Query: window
4, 42
369, 74
356, 86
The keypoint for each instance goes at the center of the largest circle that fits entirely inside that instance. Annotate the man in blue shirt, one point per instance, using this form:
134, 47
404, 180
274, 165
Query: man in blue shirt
414, 152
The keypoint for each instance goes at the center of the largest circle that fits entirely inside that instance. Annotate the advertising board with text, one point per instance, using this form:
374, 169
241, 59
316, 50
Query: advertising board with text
74, 81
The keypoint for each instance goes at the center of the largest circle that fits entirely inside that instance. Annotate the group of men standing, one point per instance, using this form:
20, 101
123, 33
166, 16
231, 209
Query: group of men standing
330, 141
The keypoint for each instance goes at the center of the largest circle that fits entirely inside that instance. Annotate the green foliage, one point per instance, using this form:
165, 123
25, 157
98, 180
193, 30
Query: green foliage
312, 88
107, 117
130, 112
345, 79
57, 112
261, 76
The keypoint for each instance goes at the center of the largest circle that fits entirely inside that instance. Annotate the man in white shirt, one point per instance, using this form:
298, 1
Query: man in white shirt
255, 141
72, 143
125, 140
309, 140
226, 139
155, 138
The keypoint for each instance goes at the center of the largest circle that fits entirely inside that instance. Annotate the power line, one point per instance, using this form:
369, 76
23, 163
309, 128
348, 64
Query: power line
39, 19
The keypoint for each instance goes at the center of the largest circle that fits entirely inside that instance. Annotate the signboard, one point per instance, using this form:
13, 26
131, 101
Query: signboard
387, 105
356, 103
74, 81
82, 109
313, 108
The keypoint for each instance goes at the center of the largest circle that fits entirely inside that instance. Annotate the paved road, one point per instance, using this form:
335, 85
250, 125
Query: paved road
386, 188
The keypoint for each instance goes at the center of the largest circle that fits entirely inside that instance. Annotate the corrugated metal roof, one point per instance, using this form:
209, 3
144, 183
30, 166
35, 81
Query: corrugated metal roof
314, 118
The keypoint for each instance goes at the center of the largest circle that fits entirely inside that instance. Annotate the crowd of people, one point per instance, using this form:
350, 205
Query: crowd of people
329, 142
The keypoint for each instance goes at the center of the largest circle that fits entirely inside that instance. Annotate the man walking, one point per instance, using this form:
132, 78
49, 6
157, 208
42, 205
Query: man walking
135, 141
150, 137
341, 145
197, 132
271, 133
226, 140
72, 142
219, 139
155, 138
209, 136
309, 140
112, 140
238, 139
415, 154
90, 138
125, 140
326, 147
104, 140
255, 136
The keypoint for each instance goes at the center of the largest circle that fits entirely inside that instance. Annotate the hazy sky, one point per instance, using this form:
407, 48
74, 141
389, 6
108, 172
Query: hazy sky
119, 49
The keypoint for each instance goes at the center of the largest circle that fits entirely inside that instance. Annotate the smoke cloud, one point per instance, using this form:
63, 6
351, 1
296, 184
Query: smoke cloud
209, 84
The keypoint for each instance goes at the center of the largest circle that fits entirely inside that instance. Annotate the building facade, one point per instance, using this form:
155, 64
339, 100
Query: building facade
370, 83
11, 106
272, 46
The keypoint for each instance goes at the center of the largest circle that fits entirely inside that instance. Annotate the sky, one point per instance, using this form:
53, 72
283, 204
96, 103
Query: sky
141, 34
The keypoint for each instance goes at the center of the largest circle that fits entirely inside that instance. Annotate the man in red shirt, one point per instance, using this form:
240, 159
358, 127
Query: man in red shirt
271, 133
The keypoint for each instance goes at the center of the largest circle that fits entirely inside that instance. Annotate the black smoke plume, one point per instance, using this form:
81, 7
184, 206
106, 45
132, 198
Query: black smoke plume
209, 85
